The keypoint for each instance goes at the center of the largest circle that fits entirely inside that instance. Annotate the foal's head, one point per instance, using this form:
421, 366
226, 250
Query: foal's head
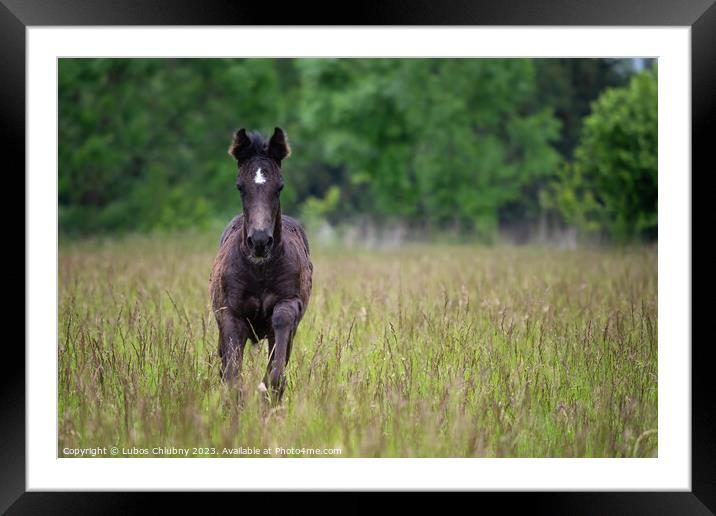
259, 181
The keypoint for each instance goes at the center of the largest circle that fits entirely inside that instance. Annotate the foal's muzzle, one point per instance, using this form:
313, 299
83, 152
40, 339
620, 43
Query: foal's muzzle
260, 243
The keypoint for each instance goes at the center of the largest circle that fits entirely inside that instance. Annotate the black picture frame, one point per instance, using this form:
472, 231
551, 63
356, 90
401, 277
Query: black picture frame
700, 15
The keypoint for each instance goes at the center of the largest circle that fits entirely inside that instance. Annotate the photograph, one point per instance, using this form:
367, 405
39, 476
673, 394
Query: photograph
313, 257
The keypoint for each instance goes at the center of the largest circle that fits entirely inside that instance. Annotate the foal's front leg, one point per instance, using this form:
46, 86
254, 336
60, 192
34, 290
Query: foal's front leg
283, 321
233, 333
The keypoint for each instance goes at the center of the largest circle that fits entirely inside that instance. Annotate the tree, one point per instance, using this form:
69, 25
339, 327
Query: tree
569, 86
142, 142
468, 144
612, 184
443, 141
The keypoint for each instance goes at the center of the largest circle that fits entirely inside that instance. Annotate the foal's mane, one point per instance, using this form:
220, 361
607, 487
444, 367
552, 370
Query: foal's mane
258, 145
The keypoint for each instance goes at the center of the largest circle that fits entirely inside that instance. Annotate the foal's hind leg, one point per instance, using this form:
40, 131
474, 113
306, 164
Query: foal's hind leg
233, 333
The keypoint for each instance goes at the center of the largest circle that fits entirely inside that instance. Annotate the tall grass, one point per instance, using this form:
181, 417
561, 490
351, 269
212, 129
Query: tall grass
424, 351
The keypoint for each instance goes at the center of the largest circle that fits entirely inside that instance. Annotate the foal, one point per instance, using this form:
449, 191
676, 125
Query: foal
261, 279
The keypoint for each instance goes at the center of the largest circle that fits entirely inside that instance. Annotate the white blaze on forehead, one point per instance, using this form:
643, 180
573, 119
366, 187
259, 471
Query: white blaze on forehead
259, 178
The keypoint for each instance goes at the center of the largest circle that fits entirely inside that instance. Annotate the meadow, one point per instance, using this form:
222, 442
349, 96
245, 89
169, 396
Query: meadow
415, 351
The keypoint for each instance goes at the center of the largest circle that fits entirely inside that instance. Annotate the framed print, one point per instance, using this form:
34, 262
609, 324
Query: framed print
429, 259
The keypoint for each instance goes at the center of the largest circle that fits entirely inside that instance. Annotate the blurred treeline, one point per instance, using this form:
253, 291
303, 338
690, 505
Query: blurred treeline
471, 146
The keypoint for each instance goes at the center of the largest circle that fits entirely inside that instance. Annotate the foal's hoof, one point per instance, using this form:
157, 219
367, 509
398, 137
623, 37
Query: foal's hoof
264, 393
270, 396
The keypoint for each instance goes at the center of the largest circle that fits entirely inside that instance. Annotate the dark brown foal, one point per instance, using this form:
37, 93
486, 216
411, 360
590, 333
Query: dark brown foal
261, 280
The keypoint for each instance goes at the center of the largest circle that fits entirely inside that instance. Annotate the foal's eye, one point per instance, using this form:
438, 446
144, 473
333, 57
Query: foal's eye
240, 188
280, 187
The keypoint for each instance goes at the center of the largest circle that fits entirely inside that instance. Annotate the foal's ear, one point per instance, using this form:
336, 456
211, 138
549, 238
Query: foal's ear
240, 146
278, 147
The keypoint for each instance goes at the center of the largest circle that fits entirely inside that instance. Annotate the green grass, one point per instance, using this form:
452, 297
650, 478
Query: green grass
425, 351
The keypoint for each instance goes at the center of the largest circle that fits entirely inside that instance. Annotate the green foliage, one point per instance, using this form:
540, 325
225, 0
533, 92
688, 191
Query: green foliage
315, 210
612, 184
143, 142
450, 141
570, 85
469, 144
